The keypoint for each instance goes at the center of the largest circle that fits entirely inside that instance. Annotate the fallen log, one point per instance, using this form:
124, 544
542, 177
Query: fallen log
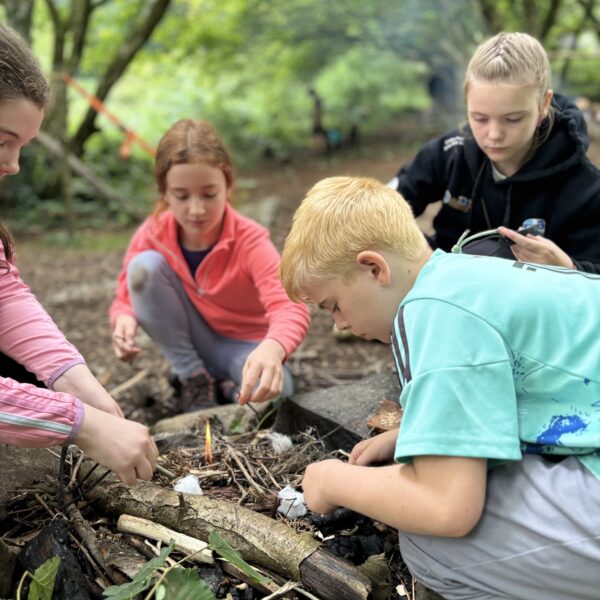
259, 539
57, 149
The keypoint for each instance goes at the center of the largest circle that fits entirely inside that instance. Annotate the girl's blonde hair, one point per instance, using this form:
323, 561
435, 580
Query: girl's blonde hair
513, 58
190, 141
339, 218
516, 59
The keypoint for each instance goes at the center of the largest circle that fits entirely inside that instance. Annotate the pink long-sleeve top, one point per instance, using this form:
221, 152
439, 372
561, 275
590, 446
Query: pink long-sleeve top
31, 416
236, 288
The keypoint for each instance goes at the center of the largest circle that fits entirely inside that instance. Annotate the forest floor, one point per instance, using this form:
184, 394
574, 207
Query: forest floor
76, 286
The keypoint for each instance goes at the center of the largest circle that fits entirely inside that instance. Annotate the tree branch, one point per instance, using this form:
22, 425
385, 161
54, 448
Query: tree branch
137, 38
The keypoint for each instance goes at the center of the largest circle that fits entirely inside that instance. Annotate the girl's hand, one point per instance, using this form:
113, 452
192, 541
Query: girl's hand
131, 454
80, 382
315, 485
377, 449
265, 366
123, 338
536, 249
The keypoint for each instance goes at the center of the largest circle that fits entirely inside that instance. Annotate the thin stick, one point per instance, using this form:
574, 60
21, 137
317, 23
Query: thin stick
247, 475
165, 472
123, 387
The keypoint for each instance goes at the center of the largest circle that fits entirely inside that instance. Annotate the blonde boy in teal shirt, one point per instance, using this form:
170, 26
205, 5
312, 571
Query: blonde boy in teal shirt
497, 490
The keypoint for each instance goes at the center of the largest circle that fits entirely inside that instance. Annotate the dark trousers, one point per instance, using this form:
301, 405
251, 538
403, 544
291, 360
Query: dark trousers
14, 370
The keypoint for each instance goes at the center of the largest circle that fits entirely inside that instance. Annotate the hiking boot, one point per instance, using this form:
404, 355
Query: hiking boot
197, 392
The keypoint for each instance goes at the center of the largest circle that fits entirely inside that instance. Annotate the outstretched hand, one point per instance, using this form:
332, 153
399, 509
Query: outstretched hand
536, 249
264, 366
123, 338
123, 446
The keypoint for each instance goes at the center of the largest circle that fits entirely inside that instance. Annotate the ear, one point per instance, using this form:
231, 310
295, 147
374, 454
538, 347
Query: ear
546, 103
376, 264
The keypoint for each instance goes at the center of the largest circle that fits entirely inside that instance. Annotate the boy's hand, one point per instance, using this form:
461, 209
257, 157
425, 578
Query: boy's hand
123, 338
131, 454
378, 449
315, 485
264, 365
536, 249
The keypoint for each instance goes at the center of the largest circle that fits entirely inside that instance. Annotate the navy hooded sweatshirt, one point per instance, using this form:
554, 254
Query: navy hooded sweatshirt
558, 184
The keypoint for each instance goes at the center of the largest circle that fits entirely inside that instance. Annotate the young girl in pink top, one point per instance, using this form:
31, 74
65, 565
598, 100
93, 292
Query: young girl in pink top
75, 407
203, 282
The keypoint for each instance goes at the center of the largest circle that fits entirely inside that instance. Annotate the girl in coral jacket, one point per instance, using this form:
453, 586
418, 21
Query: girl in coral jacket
202, 281
75, 407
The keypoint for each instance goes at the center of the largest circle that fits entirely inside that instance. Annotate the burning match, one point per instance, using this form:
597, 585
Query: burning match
208, 456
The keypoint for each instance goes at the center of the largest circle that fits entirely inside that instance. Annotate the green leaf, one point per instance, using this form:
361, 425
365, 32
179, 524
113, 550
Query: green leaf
42, 586
185, 584
224, 550
142, 580
377, 569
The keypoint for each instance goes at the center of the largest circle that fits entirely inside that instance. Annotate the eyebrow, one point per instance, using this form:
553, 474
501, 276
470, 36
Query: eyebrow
508, 114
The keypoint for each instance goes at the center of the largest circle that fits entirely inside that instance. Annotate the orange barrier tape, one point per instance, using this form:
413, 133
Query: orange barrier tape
130, 136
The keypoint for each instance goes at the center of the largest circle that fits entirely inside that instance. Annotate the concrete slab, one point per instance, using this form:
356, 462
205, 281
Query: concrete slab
261, 210
339, 413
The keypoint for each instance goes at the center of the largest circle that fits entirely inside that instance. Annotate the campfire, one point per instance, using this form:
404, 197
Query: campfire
240, 477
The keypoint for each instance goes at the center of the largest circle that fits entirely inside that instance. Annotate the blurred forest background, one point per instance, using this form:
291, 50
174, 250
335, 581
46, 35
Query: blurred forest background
248, 66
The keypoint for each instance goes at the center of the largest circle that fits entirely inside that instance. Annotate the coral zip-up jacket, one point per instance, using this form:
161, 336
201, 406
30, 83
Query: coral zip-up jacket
31, 416
236, 288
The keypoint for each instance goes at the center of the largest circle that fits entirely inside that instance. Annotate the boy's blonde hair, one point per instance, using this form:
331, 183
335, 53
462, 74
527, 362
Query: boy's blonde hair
513, 58
339, 218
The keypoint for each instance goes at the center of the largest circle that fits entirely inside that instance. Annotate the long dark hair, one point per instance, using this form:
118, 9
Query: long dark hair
20, 77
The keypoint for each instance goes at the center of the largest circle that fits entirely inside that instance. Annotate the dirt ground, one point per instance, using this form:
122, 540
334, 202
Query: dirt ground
76, 287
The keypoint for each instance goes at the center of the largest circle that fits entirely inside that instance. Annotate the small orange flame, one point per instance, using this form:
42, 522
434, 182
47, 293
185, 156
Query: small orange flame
208, 455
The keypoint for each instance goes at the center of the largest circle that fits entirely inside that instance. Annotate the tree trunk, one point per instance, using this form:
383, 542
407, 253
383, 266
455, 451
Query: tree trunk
19, 16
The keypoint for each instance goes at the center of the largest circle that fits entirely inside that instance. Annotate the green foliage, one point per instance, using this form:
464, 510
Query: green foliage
246, 66
142, 580
223, 549
183, 584
42, 584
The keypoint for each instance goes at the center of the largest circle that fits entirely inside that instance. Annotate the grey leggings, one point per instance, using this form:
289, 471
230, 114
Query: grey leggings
168, 316
538, 538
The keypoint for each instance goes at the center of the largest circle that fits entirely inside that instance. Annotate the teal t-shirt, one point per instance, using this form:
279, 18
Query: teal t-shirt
497, 358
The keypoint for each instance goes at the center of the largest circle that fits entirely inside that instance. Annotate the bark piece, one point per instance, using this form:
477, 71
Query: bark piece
70, 583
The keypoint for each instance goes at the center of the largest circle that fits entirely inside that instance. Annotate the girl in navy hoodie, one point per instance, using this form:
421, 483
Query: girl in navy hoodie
522, 156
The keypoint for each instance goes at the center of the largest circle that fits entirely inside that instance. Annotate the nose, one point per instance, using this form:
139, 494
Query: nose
10, 163
495, 131
196, 206
340, 322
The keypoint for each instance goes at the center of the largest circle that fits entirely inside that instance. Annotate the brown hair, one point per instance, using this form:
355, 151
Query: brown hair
20, 77
190, 141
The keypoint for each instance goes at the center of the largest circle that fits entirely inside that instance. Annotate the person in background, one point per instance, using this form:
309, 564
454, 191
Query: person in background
496, 480
521, 157
202, 281
74, 408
